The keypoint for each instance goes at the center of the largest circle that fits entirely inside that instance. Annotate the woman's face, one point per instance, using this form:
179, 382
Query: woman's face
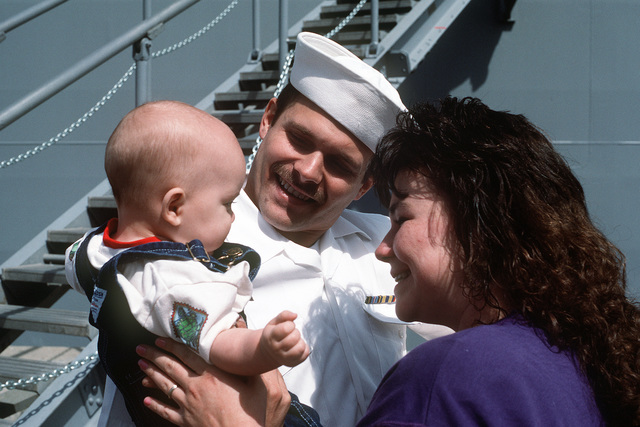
420, 250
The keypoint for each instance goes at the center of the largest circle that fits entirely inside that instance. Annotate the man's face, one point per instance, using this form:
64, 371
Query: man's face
306, 172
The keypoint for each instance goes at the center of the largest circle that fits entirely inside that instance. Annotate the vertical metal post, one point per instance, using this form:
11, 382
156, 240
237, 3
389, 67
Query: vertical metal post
283, 46
142, 56
375, 37
255, 52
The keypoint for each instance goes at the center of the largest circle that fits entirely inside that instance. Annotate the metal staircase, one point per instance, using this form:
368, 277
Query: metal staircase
407, 30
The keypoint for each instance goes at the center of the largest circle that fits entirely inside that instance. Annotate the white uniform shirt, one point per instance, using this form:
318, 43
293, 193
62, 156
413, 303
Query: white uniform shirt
352, 344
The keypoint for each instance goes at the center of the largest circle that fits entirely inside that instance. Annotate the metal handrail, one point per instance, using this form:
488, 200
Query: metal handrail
27, 15
146, 28
83, 119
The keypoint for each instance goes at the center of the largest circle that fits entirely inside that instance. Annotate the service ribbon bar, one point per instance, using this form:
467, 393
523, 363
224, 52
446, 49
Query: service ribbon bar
380, 299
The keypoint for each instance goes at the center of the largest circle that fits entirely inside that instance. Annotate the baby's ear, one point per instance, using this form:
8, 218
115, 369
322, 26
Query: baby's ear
172, 203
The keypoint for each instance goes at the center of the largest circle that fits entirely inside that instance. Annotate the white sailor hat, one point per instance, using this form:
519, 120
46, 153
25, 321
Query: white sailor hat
355, 94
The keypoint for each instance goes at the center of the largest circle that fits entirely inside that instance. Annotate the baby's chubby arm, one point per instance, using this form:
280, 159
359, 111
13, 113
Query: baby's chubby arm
251, 352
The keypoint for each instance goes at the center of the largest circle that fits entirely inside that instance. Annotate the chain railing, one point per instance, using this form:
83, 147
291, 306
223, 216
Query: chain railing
63, 134
284, 74
23, 382
75, 125
13, 384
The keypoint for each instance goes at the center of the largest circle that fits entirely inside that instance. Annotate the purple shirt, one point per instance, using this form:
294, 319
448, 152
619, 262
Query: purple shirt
502, 374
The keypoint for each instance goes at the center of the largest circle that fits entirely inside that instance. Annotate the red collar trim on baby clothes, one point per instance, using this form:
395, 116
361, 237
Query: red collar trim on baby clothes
108, 241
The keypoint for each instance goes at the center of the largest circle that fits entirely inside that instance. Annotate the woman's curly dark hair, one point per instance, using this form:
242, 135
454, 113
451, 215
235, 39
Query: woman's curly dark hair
528, 244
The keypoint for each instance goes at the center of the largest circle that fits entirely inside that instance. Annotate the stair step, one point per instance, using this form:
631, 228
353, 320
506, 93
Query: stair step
102, 202
385, 7
231, 100
248, 142
258, 80
244, 123
270, 61
59, 240
49, 320
66, 235
239, 116
385, 22
12, 401
53, 259
13, 368
35, 273
101, 209
356, 37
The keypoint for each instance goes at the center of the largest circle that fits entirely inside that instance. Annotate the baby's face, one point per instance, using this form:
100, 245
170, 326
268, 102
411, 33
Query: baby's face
207, 211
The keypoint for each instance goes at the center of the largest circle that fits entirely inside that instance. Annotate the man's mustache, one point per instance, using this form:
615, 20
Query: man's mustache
309, 189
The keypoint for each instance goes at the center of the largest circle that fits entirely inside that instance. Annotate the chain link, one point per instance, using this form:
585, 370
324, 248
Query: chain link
116, 87
21, 383
346, 20
284, 75
198, 34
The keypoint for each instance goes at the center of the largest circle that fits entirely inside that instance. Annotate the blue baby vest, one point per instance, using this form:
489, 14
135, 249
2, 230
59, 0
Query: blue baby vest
119, 331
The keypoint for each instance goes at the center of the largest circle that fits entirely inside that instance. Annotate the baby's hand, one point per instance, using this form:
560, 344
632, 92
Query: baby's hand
281, 341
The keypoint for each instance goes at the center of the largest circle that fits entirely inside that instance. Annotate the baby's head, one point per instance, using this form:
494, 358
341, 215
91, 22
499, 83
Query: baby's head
175, 170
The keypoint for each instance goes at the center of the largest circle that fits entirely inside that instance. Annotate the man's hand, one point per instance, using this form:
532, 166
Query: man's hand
207, 396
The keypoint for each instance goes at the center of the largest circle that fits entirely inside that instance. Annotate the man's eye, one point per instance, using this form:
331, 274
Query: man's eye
297, 142
341, 168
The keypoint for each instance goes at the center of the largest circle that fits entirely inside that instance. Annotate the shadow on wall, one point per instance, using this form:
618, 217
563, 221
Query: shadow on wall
463, 52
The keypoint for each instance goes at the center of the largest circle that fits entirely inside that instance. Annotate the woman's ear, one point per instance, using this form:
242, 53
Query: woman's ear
267, 117
172, 204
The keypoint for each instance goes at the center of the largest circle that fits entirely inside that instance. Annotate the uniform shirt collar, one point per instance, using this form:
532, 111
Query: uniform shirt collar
344, 227
267, 240
251, 229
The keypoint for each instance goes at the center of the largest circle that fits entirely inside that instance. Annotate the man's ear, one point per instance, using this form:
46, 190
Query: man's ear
172, 203
267, 117
366, 186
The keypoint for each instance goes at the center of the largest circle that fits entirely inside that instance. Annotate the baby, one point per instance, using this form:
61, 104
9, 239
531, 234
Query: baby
175, 172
